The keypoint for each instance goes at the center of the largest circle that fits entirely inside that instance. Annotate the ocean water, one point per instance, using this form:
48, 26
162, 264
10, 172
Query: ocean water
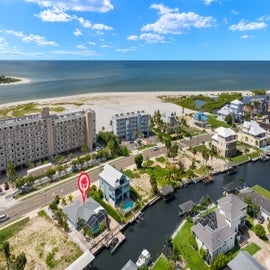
63, 78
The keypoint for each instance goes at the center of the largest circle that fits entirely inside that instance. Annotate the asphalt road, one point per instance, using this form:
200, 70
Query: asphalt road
45, 197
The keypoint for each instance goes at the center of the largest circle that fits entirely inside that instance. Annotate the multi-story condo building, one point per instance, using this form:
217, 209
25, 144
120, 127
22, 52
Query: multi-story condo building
131, 125
170, 120
225, 141
39, 136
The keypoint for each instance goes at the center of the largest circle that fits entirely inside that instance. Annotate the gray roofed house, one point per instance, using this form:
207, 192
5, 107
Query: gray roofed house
244, 261
130, 265
258, 199
167, 192
90, 212
215, 232
185, 207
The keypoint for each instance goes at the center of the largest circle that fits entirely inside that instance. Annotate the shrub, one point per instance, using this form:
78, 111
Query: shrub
203, 253
260, 231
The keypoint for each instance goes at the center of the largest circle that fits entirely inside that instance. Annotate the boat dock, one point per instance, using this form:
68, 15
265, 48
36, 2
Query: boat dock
208, 179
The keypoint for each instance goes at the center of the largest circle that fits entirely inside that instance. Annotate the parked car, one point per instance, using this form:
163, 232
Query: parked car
6, 186
261, 219
156, 148
4, 218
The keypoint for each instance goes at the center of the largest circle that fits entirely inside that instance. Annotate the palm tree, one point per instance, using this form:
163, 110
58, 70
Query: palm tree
10, 171
70, 198
63, 201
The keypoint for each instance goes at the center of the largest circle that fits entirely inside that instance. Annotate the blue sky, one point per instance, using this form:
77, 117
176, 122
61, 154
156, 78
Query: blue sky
135, 29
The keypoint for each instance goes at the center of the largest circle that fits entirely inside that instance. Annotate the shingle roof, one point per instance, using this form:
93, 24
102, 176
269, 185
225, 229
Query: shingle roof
244, 261
111, 175
231, 205
79, 210
214, 239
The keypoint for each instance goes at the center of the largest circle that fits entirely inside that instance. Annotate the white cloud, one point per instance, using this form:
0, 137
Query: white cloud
81, 47
54, 15
125, 50
132, 37
208, 2
39, 40
235, 12
245, 26
83, 22
3, 42
100, 27
151, 38
163, 9
91, 43
244, 36
174, 22
106, 46
77, 32
76, 5
81, 52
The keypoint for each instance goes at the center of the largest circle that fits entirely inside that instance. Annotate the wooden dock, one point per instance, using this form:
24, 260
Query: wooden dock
208, 179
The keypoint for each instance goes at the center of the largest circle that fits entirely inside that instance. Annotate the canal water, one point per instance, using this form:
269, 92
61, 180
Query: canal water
161, 219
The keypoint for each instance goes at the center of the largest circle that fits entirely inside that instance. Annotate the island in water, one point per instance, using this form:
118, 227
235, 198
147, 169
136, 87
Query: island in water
5, 79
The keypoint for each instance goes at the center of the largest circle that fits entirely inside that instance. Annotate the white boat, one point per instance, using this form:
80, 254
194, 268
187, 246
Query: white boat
144, 258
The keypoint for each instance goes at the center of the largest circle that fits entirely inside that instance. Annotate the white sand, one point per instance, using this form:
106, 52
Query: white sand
107, 104
22, 81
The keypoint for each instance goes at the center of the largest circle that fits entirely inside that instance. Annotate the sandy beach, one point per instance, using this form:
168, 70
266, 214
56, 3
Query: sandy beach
22, 81
108, 104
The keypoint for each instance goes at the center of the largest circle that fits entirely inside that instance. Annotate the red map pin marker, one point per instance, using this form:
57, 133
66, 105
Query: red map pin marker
84, 184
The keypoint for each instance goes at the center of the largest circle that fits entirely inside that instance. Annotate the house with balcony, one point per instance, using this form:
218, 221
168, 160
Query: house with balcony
170, 121
200, 119
216, 231
251, 133
225, 141
235, 108
114, 185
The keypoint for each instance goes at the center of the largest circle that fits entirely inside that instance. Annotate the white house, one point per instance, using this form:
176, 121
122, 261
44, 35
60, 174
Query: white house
216, 231
235, 108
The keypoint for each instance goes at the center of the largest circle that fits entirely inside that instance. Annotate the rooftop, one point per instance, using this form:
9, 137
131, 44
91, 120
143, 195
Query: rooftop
223, 132
253, 128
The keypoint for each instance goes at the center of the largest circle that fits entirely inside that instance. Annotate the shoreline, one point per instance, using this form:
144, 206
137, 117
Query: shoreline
22, 81
107, 104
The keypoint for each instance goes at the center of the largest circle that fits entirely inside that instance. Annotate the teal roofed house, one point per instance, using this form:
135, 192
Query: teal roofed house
114, 185
91, 213
200, 119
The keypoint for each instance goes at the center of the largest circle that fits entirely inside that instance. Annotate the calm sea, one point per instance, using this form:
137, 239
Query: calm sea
63, 78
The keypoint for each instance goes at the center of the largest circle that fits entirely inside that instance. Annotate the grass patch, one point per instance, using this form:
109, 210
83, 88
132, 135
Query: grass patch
131, 174
258, 92
249, 221
215, 123
161, 159
8, 232
251, 248
208, 211
161, 263
191, 256
57, 109
159, 173
239, 159
145, 147
264, 192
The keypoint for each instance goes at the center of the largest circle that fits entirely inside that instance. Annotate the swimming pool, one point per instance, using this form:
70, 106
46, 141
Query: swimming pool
128, 205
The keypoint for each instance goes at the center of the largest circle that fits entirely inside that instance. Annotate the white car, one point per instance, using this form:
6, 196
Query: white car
4, 218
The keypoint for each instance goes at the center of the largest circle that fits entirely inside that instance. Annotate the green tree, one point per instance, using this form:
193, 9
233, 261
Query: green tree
20, 261
84, 148
7, 253
220, 262
51, 172
70, 198
260, 231
10, 171
174, 150
139, 160
229, 119
70, 156
63, 201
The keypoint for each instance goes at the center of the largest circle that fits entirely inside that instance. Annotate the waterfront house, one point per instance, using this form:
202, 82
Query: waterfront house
170, 121
251, 133
244, 260
258, 105
90, 213
258, 199
131, 125
115, 185
225, 141
235, 108
216, 231
185, 208
84, 262
200, 119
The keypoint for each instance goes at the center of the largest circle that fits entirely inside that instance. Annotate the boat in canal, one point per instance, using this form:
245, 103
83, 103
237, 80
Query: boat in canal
144, 258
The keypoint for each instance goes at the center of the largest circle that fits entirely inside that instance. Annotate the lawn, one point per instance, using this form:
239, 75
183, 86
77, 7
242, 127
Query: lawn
251, 248
191, 256
215, 123
264, 192
161, 263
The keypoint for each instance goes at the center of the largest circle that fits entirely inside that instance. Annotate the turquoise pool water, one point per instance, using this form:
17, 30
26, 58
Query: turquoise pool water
128, 205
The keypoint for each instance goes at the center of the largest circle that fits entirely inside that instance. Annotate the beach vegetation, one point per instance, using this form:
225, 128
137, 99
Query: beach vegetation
210, 105
5, 80
258, 92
